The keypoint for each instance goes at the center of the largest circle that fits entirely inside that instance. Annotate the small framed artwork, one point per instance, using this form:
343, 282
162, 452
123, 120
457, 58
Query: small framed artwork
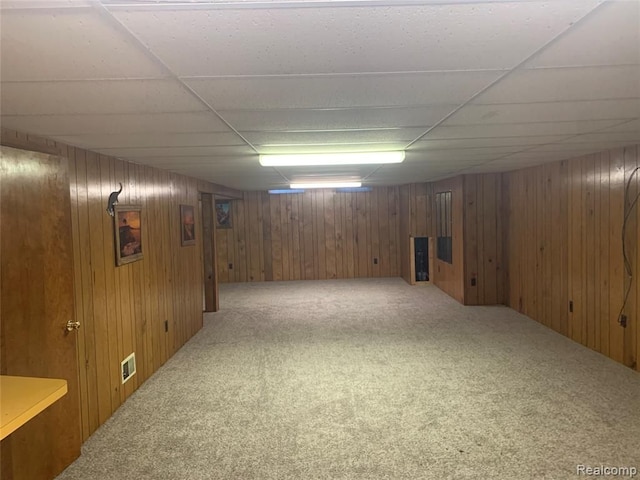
128, 230
187, 225
223, 213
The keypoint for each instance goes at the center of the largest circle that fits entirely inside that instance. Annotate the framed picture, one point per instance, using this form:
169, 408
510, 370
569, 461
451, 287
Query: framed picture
128, 230
187, 225
223, 213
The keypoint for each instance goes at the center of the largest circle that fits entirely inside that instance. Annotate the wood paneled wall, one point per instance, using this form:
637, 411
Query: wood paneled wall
484, 270
449, 277
124, 309
314, 235
416, 220
565, 245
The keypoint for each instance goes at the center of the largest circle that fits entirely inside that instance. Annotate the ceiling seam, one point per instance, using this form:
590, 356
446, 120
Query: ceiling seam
110, 17
258, 5
569, 137
509, 72
107, 13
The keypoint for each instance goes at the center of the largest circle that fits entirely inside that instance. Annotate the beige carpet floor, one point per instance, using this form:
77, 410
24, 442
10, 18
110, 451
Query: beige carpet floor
370, 379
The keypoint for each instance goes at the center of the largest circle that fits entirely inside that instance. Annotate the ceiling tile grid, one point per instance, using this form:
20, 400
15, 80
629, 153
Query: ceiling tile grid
202, 87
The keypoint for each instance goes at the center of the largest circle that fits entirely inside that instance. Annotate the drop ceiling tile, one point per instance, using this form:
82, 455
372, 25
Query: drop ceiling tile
341, 91
540, 156
345, 39
610, 37
151, 140
630, 126
490, 142
229, 166
178, 122
428, 159
218, 162
248, 181
621, 138
465, 153
503, 167
96, 97
332, 119
66, 44
565, 84
545, 112
528, 159
145, 153
275, 139
421, 173
576, 148
6, 5
519, 129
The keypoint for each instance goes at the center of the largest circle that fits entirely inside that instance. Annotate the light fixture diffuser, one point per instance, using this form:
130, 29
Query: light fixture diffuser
327, 185
318, 159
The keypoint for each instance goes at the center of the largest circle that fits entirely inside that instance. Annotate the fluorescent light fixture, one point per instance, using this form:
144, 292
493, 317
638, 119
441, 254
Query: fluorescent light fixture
285, 191
327, 185
316, 159
354, 190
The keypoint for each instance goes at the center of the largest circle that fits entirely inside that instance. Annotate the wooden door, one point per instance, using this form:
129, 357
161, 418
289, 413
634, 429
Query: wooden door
36, 303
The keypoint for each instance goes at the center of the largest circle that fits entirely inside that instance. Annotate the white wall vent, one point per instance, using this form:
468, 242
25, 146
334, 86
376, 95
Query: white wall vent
128, 367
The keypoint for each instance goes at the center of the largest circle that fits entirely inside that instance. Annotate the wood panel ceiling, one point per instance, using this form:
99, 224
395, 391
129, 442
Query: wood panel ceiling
202, 87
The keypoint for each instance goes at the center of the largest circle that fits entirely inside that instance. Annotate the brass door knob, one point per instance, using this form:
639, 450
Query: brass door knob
71, 325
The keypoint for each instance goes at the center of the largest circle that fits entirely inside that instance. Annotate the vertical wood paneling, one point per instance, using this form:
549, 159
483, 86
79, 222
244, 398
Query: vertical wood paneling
350, 235
415, 212
329, 232
632, 240
491, 211
338, 209
616, 264
471, 226
404, 226
394, 229
603, 252
314, 235
308, 236
449, 277
384, 233
276, 238
123, 309
575, 220
362, 238
266, 235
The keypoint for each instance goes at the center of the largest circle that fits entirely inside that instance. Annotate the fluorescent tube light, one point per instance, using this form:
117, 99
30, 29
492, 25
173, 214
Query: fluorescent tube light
354, 190
327, 185
285, 191
316, 159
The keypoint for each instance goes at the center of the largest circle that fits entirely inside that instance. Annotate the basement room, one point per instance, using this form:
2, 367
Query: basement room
319, 239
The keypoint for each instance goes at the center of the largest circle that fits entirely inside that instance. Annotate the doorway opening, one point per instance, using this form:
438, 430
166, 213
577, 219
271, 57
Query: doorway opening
421, 259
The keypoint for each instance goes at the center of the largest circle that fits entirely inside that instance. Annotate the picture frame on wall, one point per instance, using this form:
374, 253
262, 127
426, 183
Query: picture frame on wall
223, 214
128, 233
187, 225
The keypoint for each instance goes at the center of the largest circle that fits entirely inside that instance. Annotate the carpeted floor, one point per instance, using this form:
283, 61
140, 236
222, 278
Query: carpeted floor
369, 379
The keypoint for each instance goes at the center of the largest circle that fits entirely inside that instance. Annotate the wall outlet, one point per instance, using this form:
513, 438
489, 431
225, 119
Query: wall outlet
375, 261
128, 367
231, 266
